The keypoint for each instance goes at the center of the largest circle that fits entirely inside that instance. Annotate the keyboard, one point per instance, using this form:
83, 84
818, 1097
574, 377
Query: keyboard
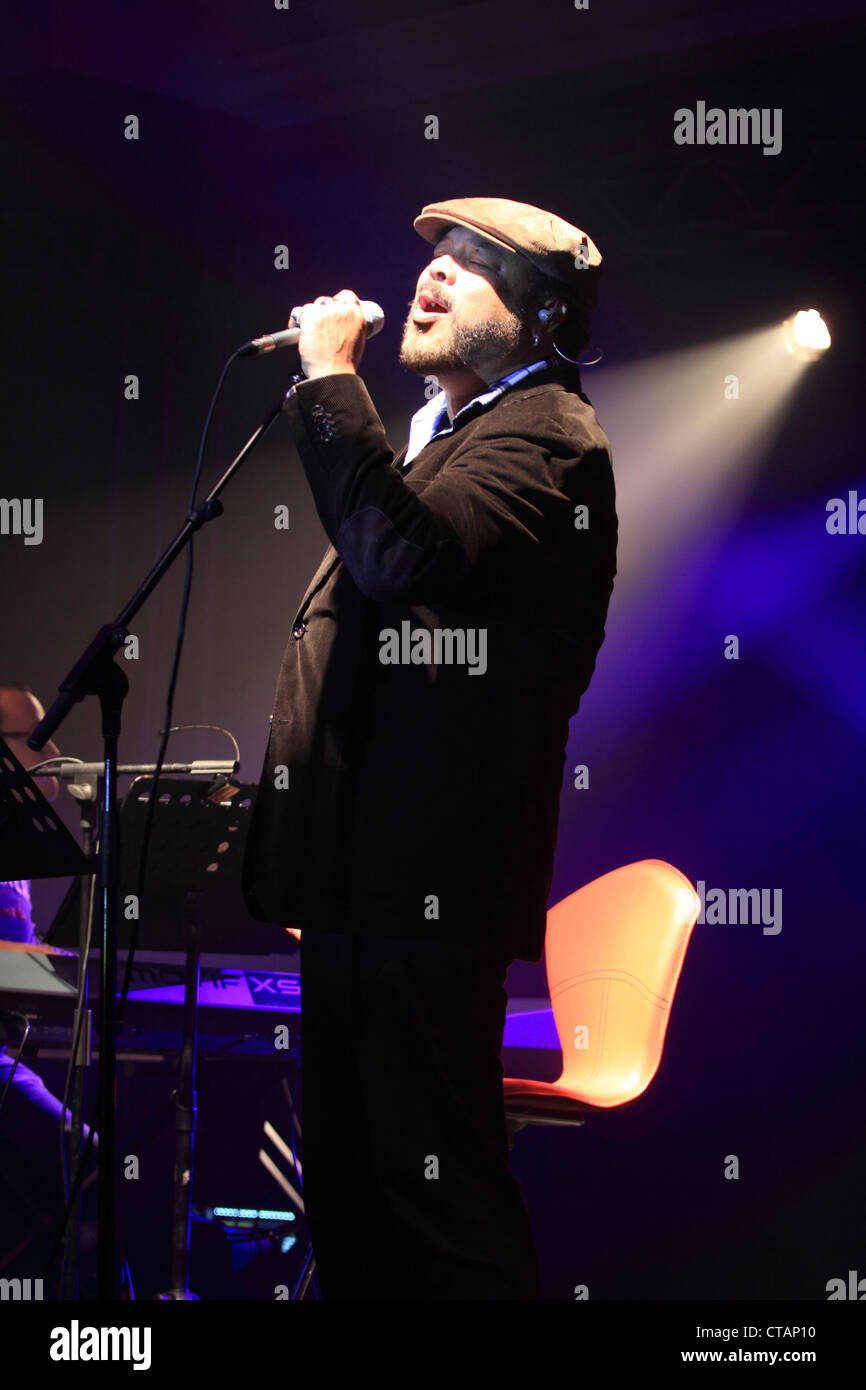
241, 998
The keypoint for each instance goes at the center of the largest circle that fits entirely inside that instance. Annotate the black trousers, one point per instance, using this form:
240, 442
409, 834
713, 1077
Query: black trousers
406, 1181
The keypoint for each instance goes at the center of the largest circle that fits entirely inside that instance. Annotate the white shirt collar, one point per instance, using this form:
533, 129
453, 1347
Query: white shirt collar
432, 419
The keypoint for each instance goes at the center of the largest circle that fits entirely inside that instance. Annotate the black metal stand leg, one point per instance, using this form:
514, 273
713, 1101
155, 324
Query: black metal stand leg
111, 695
79, 1062
185, 1123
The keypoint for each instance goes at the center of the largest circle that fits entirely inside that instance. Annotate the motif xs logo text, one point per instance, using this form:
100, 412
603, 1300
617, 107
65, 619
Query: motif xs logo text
272, 989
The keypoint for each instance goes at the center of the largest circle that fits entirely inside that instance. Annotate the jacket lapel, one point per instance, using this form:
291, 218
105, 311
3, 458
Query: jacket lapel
329, 560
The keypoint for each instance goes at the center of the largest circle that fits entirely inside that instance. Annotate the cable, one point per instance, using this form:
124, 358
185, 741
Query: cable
26, 1023
64, 1166
169, 704
575, 362
46, 762
73, 1195
182, 728
76, 1040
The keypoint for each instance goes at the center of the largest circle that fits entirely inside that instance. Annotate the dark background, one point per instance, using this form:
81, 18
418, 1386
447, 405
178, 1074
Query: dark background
306, 127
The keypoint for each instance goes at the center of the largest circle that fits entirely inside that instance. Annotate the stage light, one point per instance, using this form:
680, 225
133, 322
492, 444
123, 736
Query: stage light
691, 431
806, 335
693, 428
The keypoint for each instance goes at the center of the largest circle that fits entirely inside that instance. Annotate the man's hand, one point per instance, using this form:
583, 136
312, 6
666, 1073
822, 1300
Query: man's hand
333, 334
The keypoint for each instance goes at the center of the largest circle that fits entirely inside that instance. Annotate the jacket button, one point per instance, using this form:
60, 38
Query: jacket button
298, 630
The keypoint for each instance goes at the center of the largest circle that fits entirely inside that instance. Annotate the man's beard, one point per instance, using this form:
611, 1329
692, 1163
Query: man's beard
476, 346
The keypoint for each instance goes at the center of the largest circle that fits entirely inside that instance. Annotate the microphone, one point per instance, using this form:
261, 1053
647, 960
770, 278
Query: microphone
373, 314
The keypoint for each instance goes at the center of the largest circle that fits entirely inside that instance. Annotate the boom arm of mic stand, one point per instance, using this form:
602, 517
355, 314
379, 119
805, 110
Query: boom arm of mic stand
111, 637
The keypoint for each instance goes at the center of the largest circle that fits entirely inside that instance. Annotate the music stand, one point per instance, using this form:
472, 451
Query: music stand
230, 928
34, 842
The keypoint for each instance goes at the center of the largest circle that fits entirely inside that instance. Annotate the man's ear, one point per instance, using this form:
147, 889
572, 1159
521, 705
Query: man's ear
552, 315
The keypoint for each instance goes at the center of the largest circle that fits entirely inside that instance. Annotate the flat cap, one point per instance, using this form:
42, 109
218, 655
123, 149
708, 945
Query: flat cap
556, 247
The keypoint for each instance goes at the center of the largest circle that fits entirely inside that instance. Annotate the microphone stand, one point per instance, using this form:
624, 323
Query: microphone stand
95, 673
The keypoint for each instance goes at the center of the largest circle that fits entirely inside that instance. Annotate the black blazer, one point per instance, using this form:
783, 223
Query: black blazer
423, 799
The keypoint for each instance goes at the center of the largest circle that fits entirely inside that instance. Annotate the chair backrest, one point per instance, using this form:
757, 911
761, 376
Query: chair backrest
614, 950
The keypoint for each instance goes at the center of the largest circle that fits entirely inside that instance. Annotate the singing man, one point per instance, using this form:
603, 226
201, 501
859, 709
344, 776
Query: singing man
406, 819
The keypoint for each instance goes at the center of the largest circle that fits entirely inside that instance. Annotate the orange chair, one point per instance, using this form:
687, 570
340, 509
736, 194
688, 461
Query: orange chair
614, 950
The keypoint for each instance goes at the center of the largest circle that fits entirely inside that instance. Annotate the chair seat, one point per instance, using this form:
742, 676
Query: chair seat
541, 1098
